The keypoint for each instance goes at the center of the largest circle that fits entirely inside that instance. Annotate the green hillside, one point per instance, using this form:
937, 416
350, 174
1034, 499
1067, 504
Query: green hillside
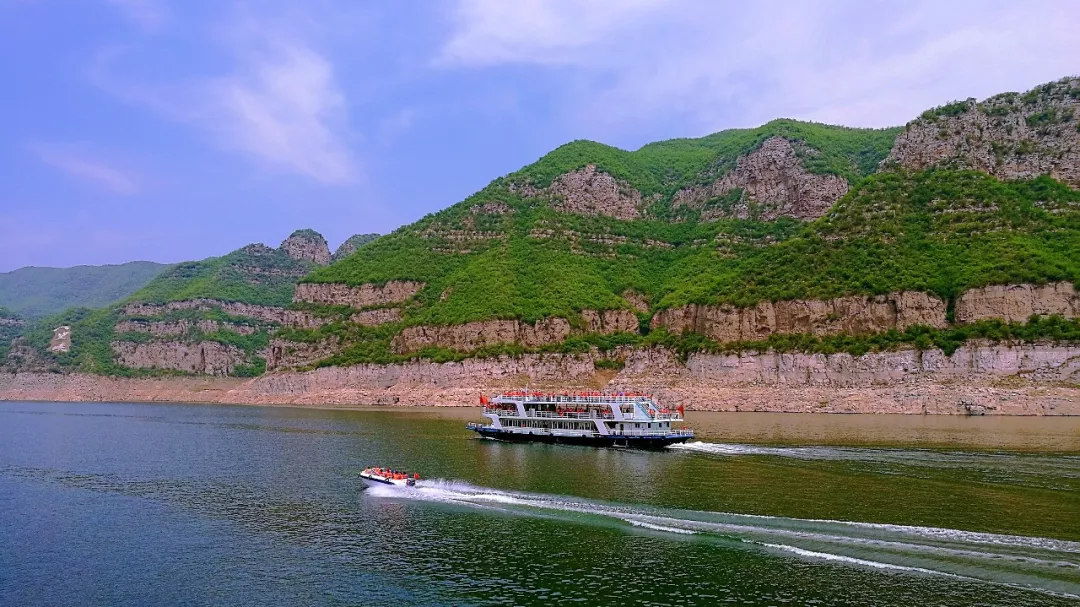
255, 274
36, 292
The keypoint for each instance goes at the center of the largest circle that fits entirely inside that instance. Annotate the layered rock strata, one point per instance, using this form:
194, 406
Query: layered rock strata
180, 327
337, 294
289, 318
774, 178
1000, 379
853, 314
204, 358
1017, 303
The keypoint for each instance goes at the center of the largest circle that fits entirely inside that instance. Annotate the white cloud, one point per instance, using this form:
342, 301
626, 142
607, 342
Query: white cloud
149, 15
711, 64
86, 165
279, 104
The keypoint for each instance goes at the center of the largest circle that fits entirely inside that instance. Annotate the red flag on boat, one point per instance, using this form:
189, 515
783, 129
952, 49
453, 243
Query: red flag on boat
483, 399
682, 411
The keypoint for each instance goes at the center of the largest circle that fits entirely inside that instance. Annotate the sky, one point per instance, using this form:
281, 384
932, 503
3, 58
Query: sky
171, 130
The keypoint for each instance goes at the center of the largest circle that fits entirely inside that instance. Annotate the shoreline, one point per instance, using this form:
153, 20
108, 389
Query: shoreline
350, 389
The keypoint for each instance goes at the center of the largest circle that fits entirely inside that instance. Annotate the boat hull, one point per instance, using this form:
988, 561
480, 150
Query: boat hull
633, 442
376, 481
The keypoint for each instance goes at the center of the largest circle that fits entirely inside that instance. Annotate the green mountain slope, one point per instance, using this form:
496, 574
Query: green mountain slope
36, 292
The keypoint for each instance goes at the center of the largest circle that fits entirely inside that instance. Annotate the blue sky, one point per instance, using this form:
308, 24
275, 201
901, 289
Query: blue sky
170, 130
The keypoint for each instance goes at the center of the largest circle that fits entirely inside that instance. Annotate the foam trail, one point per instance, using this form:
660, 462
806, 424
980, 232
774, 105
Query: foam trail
1042, 564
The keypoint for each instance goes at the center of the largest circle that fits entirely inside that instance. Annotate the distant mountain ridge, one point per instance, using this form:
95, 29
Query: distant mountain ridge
34, 292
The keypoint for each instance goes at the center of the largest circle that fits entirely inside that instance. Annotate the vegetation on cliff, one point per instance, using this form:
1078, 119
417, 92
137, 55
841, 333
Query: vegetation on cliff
255, 274
38, 292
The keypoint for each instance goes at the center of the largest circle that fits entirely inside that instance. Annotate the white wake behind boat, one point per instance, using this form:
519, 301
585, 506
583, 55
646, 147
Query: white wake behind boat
373, 477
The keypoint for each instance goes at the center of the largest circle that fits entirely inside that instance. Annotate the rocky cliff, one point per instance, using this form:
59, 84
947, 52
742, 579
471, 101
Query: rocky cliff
1016, 303
204, 358
998, 379
1011, 135
307, 245
587, 191
770, 182
852, 315
365, 295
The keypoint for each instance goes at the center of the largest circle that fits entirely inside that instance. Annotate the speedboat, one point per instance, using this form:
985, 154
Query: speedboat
374, 476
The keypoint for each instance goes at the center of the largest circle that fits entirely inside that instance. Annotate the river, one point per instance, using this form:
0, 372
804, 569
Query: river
140, 504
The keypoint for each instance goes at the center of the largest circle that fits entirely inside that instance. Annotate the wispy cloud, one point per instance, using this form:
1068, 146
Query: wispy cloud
279, 103
148, 15
713, 64
86, 165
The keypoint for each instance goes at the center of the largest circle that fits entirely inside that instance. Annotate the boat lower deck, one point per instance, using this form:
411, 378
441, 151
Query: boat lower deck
642, 441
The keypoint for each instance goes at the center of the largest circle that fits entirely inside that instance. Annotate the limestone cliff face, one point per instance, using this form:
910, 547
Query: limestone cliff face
395, 291
307, 245
283, 354
773, 178
1017, 303
853, 314
180, 327
61, 340
206, 358
282, 316
475, 335
1011, 136
1004, 379
588, 191
377, 316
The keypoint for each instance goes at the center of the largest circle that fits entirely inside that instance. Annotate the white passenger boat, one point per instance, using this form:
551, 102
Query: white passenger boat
386, 476
610, 419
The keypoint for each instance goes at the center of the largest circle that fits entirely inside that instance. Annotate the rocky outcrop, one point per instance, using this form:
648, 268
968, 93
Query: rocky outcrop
11, 322
180, 327
474, 335
21, 356
1002, 379
61, 340
855, 314
588, 191
773, 179
1011, 136
290, 318
376, 316
205, 358
307, 245
1017, 303
282, 353
352, 244
337, 294
636, 300
610, 321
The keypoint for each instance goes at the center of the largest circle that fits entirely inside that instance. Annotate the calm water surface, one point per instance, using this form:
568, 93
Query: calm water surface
130, 504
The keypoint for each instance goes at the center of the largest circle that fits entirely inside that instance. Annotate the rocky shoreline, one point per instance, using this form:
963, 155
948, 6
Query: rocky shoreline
1032, 379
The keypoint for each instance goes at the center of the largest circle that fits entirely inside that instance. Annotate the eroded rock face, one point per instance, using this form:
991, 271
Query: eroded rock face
337, 294
205, 358
852, 315
474, 335
637, 300
307, 245
774, 178
289, 318
1010, 136
282, 353
588, 191
1017, 303
61, 340
610, 321
378, 316
180, 327
11, 322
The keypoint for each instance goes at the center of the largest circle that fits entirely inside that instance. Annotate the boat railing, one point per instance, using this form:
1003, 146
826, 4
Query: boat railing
571, 415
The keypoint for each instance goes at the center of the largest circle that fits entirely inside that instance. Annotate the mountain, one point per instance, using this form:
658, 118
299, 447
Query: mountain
352, 244
963, 224
36, 292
